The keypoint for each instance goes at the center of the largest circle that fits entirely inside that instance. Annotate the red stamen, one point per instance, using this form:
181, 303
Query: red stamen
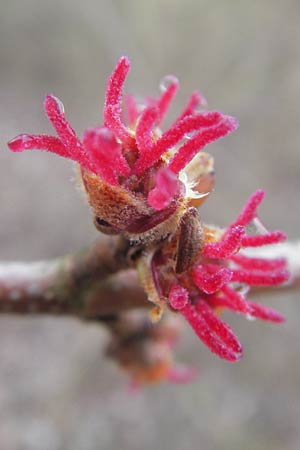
254, 278
233, 300
54, 110
131, 109
40, 142
222, 329
178, 297
167, 187
167, 96
105, 154
188, 150
144, 136
174, 135
259, 263
246, 307
195, 100
250, 210
265, 313
112, 108
229, 244
215, 334
273, 237
210, 282
116, 82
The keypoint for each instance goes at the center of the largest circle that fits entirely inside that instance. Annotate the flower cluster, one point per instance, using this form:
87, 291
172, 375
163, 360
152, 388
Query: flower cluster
146, 351
222, 277
146, 184
133, 175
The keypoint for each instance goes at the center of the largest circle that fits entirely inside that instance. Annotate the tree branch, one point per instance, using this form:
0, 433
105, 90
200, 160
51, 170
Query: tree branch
96, 282
84, 284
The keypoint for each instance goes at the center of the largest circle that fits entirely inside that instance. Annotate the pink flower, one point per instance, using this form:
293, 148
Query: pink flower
222, 276
120, 154
145, 184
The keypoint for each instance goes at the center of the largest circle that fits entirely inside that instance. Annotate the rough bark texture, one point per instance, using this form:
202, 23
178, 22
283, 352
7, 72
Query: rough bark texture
85, 284
95, 282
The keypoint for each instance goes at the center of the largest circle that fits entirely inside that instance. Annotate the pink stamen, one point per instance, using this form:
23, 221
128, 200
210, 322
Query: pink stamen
106, 154
220, 328
68, 145
212, 332
144, 136
167, 96
265, 313
167, 187
174, 135
229, 244
41, 142
55, 112
259, 263
116, 82
178, 297
253, 278
188, 150
210, 281
250, 210
131, 109
233, 300
114, 123
273, 237
195, 100
112, 108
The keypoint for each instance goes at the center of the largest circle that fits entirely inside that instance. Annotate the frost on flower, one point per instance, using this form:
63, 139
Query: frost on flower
146, 185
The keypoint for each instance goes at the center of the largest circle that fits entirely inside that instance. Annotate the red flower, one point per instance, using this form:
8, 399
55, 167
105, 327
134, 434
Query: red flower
145, 185
115, 152
221, 278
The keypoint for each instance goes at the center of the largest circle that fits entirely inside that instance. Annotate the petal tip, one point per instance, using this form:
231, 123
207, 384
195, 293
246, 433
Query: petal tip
232, 122
53, 102
18, 143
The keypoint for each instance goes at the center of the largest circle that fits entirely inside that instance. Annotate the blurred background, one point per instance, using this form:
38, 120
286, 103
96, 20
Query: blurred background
57, 392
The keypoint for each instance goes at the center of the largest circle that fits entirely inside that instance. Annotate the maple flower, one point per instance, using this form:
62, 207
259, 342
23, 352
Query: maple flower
133, 174
146, 184
223, 275
146, 352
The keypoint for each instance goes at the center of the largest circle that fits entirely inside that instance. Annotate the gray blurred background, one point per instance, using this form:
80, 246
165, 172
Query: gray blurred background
57, 392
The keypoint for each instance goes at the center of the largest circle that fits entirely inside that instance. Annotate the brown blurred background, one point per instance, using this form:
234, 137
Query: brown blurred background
57, 392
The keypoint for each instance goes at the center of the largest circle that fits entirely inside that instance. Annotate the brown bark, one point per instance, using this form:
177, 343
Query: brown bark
85, 284
95, 283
